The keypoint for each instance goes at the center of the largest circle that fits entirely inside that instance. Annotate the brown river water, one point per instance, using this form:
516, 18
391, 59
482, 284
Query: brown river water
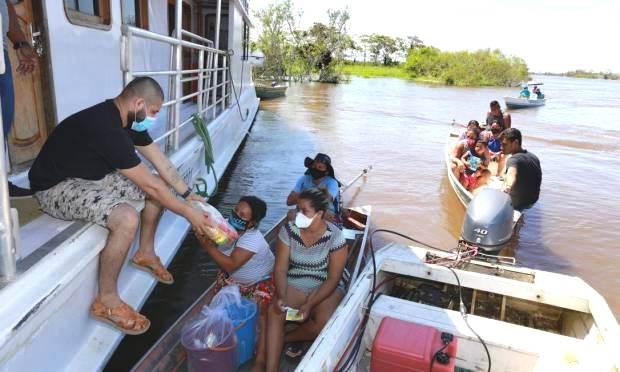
400, 128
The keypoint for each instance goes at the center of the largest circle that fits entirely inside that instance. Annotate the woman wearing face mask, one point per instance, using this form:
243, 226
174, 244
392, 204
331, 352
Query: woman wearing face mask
320, 174
249, 263
462, 147
310, 258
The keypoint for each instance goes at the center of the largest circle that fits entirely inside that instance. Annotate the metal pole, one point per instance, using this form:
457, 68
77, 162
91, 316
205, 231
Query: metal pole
224, 82
7, 242
201, 60
218, 18
179, 67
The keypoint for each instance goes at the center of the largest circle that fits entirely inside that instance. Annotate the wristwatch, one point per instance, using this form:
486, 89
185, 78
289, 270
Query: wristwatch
187, 193
20, 44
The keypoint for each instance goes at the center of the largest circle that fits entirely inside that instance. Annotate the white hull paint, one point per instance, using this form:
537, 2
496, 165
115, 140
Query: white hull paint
44, 312
590, 343
516, 103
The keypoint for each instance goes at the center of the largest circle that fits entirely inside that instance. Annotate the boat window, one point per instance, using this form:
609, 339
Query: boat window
90, 13
136, 13
246, 41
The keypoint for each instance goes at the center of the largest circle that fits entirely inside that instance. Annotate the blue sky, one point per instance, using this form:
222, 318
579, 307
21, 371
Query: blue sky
551, 35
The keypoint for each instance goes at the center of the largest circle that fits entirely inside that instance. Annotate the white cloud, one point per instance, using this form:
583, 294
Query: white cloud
551, 35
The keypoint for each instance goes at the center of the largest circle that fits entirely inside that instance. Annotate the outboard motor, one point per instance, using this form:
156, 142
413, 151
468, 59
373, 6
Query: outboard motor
488, 220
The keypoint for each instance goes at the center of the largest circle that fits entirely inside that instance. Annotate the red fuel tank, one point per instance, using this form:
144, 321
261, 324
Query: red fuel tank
410, 347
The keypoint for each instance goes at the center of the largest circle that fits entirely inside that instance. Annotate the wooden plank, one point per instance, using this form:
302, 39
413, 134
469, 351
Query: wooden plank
558, 295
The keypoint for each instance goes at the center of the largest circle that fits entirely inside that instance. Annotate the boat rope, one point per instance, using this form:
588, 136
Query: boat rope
201, 185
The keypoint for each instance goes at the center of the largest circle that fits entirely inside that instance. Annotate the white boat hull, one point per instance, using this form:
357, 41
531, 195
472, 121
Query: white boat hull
516, 103
589, 343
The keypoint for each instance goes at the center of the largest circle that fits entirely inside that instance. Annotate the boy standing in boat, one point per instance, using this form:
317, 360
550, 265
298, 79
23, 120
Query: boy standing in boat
88, 170
523, 173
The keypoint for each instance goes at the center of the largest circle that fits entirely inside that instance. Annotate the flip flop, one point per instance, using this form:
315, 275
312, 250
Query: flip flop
153, 267
295, 350
121, 317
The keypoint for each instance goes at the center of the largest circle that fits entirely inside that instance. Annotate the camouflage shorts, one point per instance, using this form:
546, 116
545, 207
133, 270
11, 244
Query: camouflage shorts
79, 199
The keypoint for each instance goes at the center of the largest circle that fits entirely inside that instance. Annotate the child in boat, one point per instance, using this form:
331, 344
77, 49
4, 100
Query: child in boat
311, 254
248, 263
476, 160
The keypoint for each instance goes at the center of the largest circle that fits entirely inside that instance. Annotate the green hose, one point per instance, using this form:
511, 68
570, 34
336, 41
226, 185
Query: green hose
201, 128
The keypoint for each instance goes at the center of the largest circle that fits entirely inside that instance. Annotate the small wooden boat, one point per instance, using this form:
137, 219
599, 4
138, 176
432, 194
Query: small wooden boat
266, 90
518, 103
169, 355
529, 320
462, 193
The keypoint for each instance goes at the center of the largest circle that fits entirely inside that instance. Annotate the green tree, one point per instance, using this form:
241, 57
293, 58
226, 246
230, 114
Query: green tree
275, 40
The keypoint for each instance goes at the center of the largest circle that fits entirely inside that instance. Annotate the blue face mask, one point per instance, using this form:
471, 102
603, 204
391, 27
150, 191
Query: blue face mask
236, 222
143, 125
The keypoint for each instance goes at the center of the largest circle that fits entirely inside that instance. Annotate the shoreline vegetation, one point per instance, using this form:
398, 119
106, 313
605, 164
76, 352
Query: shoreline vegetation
431, 65
582, 74
324, 51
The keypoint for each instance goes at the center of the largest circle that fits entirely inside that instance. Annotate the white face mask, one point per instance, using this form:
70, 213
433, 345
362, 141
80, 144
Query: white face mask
302, 221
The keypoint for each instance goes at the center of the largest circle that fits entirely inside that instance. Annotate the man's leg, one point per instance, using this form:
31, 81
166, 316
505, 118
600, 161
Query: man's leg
123, 223
145, 257
150, 217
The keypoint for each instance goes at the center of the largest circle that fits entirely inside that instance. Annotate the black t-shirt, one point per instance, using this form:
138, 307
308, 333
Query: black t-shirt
89, 144
526, 188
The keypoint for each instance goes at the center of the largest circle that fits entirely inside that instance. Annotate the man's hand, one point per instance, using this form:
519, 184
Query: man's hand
199, 220
27, 59
195, 197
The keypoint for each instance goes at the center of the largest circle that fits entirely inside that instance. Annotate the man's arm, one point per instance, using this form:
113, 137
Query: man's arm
167, 171
511, 178
26, 54
157, 189
292, 198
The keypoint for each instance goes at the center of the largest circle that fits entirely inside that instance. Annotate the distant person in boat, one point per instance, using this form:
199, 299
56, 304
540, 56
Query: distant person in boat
496, 114
27, 57
539, 94
457, 165
248, 263
319, 173
476, 162
88, 170
494, 142
525, 92
310, 260
523, 174
471, 124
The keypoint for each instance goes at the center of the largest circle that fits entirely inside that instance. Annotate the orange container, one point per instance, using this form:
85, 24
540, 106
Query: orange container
410, 347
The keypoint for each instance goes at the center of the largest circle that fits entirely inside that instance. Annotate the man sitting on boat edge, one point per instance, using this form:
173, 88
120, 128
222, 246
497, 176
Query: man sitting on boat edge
523, 172
88, 170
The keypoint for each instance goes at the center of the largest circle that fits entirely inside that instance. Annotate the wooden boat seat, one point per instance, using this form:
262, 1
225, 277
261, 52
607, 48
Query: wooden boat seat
512, 347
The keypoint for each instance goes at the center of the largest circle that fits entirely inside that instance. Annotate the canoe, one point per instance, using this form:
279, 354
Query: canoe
530, 320
461, 192
264, 91
517, 103
167, 354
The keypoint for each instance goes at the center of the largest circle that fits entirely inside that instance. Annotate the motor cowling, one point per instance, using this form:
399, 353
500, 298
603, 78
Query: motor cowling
488, 220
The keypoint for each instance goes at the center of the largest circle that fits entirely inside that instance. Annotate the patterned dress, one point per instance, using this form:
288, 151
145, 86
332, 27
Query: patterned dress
308, 266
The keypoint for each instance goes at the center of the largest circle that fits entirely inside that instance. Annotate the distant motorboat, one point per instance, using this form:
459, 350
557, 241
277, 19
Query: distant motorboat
517, 103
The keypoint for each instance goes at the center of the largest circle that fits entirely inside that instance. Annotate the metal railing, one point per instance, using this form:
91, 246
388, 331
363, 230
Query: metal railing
209, 95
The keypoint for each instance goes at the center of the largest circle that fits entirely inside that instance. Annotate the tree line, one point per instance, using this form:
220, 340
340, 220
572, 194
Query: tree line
326, 52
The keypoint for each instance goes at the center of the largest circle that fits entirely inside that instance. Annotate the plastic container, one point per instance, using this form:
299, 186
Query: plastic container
409, 347
244, 317
222, 358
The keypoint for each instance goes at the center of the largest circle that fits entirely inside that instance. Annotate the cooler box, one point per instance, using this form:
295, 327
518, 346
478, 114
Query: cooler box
409, 347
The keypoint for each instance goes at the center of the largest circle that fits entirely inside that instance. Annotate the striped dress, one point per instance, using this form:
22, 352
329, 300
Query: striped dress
308, 266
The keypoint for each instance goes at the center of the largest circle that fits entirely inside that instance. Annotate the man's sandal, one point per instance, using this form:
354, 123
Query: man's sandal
154, 267
121, 317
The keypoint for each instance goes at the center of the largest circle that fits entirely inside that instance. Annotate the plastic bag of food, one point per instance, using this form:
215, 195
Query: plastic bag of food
210, 329
222, 233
